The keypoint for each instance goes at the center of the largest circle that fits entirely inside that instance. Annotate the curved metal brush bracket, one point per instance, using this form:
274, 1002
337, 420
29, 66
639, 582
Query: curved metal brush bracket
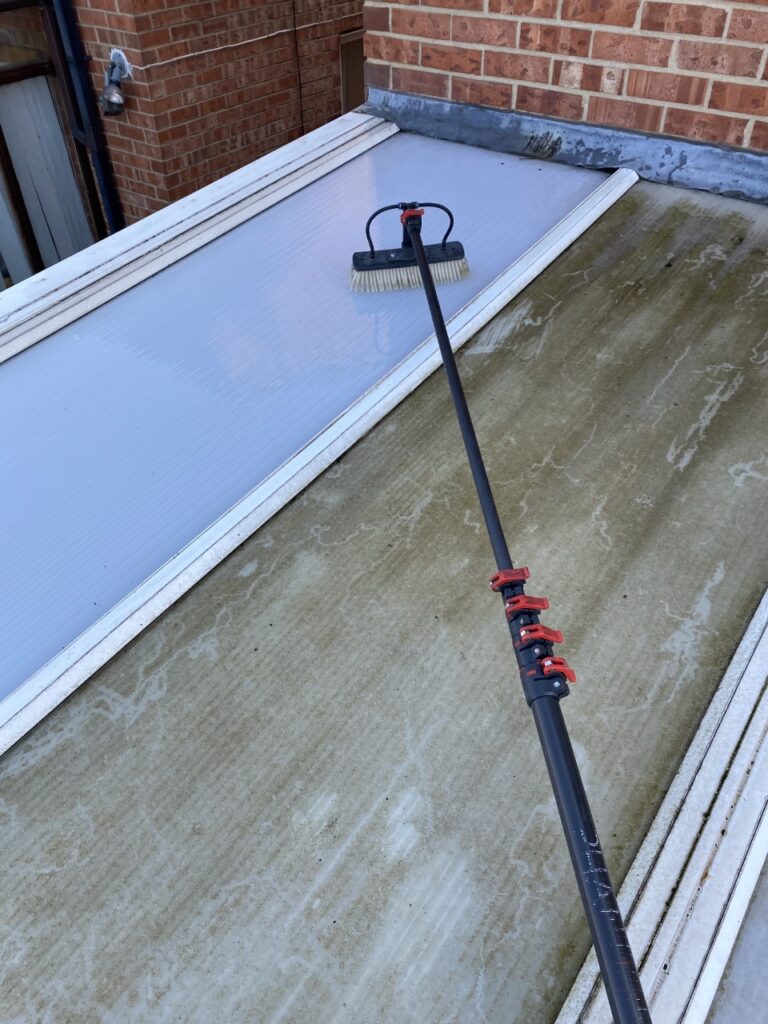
407, 206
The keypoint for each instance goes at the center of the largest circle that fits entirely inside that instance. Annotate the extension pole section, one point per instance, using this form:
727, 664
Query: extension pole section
619, 972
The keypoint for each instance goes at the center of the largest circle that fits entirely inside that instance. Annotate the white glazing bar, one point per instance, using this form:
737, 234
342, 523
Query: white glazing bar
132, 430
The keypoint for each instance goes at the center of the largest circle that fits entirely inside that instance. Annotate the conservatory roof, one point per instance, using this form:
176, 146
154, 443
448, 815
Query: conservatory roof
173, 386
308, 791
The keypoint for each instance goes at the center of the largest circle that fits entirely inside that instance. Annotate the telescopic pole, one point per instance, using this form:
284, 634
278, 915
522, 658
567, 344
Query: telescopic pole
544, 683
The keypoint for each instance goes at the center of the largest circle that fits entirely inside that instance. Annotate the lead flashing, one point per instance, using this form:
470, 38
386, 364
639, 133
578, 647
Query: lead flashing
736, 173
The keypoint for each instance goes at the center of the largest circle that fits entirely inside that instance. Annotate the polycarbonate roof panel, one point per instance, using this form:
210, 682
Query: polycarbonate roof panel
131, 430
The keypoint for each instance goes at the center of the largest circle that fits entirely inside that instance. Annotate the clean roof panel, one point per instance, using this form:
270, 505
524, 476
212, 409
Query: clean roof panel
131, 430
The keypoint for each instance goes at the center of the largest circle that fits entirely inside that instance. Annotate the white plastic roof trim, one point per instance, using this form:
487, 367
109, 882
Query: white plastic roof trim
172, 387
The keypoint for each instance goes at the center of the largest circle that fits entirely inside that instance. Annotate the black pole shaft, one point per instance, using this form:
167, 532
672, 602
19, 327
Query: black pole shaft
614, 954
476, 464
620, 975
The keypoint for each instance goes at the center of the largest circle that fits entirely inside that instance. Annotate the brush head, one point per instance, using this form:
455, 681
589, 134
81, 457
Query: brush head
391, 269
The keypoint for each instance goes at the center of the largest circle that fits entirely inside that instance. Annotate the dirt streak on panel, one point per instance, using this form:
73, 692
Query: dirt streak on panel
312, 790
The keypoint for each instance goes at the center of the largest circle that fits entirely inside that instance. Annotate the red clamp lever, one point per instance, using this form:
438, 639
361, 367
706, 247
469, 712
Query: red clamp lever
528, 634
523, 603
407, 214
507, 577
557, 667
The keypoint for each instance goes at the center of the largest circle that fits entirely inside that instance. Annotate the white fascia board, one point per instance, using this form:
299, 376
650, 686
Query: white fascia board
689, 887
48, 301
44, 690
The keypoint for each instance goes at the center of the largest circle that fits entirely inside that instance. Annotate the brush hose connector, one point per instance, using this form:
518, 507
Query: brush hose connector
544, 693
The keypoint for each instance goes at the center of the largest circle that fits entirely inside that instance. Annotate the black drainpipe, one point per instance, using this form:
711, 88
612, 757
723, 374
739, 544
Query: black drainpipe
89, 128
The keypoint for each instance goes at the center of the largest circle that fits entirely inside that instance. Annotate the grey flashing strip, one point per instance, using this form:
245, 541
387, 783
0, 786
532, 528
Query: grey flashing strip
737, 173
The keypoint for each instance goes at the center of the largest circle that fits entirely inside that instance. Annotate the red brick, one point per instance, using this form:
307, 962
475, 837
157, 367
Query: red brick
529, 8
104, 5
424, 83
750, 26
692, 124
122, 23
655, 85
421, 23
195, 119
624, 113
214, 74
685, 19
718, 57
550, 102
555, 39
96, 19
138, 6
451, 58
740, 99
156, 37
591, 77
459, 5
631, 49
375, 19
129, 131
390, 49
171, 51
759, 139
484, 94
601, 12
89, 34
520, 67
491, 31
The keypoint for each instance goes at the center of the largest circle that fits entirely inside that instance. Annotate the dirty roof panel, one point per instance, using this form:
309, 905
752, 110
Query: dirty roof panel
134, 428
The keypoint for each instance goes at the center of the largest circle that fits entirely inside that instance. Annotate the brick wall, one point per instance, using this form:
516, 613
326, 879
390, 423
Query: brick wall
694, 69
217, 83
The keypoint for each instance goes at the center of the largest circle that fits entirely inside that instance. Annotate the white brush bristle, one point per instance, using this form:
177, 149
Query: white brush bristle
390, 279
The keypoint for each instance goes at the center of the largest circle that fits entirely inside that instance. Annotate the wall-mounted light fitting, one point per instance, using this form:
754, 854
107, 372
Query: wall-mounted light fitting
111, 99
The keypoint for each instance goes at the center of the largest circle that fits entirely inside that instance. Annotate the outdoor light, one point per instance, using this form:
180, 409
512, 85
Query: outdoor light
111, 98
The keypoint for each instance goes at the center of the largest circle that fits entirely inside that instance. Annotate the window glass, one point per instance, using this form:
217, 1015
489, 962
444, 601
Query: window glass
22, 37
